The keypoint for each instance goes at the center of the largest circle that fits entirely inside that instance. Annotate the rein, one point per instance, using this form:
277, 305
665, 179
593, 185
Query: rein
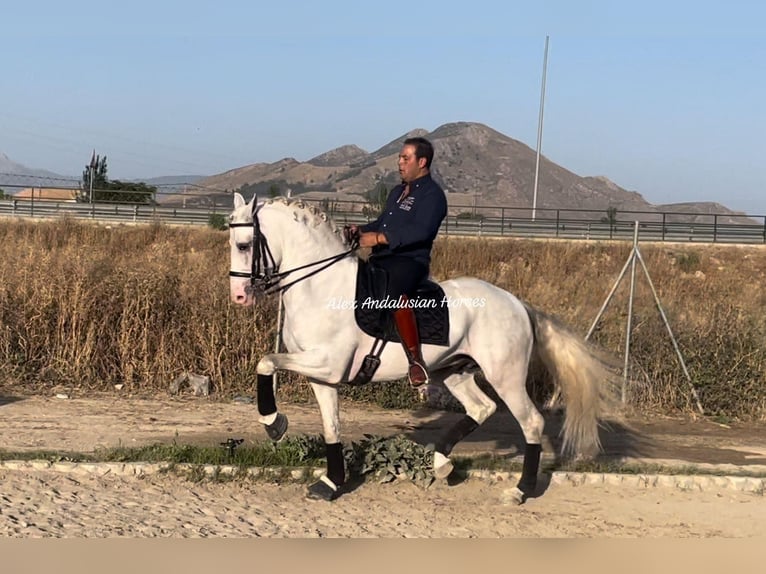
268, 279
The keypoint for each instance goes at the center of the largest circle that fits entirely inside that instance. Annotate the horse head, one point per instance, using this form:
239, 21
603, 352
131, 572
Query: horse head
277, 234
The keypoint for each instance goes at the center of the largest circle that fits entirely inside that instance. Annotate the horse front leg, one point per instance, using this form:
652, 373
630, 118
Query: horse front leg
273, 421
307, 363
329, 485
313, 365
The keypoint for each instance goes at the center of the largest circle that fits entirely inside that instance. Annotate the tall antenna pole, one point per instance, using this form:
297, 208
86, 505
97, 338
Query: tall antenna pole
540, 131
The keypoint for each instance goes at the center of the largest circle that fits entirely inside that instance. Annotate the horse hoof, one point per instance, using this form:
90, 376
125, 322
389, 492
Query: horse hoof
442, 465
514, 496
323, 489
276, 430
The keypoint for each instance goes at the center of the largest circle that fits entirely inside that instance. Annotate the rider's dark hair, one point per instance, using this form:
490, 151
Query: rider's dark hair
423, 148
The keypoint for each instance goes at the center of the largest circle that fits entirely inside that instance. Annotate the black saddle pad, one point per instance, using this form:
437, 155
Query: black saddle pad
374, 312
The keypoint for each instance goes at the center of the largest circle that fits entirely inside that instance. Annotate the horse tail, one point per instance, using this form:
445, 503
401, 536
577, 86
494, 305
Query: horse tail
583, 376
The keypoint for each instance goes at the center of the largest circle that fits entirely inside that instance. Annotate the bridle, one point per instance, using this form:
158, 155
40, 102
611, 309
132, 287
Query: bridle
265, 275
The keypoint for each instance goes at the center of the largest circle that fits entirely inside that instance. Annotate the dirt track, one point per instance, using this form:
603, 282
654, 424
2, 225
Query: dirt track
48, 503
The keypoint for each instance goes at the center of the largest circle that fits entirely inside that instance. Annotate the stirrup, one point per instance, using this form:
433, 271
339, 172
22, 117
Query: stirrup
418, 368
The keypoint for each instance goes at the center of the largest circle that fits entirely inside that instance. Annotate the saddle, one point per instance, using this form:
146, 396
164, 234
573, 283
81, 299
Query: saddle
373, 310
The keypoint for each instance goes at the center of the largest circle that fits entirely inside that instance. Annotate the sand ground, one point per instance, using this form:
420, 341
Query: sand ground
47, 503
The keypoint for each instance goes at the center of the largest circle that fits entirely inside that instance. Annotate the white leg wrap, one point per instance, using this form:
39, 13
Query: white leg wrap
440, 460
513, 496
328, 482
442, 466
268, 419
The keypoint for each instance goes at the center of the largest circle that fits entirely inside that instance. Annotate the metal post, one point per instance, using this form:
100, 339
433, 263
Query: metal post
502, 221
670, 332
540, 131
636, 254
715, 227
611, 294
90, 183
630, 313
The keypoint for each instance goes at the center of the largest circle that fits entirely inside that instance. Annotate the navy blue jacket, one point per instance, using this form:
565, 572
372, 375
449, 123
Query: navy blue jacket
411, 225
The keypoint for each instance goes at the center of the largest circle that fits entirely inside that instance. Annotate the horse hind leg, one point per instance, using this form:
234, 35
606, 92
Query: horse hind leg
478, 407
511, 388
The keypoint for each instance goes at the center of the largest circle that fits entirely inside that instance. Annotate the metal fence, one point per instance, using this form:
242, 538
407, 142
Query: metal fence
487, 221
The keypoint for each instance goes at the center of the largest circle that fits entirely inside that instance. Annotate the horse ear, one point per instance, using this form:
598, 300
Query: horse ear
239, 201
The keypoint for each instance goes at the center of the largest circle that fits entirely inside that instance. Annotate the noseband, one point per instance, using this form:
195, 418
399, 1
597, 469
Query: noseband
264, 273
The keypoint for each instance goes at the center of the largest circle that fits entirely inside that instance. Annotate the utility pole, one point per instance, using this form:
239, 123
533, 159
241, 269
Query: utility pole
540, 131
92, 169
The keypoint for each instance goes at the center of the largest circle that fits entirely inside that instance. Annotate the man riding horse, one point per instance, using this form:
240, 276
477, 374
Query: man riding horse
402, 238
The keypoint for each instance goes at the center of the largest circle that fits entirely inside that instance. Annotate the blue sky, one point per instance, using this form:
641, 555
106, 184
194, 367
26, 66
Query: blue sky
664, 98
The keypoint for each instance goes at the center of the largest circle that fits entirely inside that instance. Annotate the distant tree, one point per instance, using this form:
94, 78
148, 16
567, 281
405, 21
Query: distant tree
472, 215
218, 221
611, 216
274, 190
611, 219
4, 195
96, 170
112, 191
126, 192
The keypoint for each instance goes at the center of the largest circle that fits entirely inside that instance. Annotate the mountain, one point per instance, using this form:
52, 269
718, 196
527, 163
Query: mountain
16, 175
475, 164
344, 155
172, 180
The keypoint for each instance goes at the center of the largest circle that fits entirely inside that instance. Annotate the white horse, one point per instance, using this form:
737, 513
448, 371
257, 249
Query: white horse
287, 245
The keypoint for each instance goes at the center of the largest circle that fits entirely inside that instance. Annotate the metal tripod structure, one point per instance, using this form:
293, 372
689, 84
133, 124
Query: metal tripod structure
635, 255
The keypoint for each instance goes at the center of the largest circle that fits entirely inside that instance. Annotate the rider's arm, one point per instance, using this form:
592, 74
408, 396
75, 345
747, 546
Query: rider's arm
424, 225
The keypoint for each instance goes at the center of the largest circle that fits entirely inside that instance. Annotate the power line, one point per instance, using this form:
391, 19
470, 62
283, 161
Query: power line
40, 177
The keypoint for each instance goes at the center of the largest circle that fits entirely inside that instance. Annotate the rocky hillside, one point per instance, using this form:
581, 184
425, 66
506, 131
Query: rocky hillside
477, 166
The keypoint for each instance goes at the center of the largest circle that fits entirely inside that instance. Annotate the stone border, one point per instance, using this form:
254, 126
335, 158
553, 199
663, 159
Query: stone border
684, 482
695, 483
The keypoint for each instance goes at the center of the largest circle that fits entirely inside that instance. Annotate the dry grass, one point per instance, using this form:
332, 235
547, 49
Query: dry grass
713, 297
89, 306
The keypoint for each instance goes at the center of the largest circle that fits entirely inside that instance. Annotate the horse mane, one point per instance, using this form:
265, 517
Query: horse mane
303, 212
308, 214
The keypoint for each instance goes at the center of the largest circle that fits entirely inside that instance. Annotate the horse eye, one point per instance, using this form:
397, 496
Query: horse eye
242, 247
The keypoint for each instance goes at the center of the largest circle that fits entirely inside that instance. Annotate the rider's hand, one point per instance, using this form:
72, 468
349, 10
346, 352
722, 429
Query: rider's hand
351, 234
370, 239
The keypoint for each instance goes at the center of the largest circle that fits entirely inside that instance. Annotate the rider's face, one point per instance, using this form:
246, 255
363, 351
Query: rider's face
410, 167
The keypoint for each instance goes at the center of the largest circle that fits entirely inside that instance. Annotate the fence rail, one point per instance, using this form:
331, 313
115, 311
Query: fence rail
482, 221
